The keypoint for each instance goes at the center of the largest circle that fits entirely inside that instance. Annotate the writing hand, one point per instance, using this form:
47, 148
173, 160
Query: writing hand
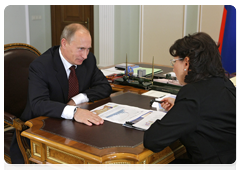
167, 103
87, 117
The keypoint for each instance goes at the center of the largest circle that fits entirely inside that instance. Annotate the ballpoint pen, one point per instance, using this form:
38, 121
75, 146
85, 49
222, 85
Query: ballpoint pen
151, 101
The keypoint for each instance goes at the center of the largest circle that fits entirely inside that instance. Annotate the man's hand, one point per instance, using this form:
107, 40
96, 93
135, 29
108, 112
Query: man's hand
87, 117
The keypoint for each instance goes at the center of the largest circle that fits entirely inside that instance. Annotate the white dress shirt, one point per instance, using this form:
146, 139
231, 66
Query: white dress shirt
68, 111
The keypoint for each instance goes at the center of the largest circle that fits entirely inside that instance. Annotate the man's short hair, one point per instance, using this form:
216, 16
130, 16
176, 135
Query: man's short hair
69, 31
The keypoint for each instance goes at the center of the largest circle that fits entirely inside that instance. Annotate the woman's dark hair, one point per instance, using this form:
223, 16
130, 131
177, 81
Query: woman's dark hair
204, 56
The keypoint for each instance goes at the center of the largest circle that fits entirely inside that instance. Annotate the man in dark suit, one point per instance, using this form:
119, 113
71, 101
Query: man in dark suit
48, 82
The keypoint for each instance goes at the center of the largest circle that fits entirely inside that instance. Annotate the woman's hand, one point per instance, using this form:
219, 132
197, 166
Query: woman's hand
168, 103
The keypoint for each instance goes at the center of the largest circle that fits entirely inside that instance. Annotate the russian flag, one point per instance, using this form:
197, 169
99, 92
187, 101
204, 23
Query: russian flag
227, 39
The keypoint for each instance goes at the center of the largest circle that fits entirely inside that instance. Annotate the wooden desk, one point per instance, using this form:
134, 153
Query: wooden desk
118, 84
165, 69
66, 141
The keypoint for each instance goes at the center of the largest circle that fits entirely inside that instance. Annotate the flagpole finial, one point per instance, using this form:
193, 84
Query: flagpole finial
152, 68
126, 71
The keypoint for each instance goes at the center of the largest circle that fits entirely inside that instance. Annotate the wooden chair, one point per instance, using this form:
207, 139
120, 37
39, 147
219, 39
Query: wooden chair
17, 58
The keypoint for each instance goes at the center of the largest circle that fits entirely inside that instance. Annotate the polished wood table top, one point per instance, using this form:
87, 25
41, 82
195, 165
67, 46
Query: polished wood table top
66, 141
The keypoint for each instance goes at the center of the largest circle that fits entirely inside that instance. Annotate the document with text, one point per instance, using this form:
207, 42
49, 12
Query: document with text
129, 116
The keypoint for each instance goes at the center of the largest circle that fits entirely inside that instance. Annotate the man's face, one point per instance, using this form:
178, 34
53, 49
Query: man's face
77, 50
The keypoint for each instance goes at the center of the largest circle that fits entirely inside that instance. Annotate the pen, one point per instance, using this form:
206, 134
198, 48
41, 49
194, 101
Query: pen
151, 101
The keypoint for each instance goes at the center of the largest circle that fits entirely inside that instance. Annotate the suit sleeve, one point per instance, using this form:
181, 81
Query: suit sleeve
99, 86
39, 95
179, 121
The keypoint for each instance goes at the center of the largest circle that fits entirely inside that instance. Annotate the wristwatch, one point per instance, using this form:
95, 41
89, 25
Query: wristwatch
74, 111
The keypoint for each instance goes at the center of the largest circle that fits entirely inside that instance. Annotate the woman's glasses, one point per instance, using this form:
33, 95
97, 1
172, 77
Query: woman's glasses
173, 61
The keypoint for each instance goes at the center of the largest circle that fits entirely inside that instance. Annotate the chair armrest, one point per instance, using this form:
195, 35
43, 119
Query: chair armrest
19, 124
14, 121
8, 118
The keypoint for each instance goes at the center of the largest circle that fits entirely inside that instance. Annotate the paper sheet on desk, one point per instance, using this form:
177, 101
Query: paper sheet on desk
140, 119
110, 71
149, 120
118, 113
155, 93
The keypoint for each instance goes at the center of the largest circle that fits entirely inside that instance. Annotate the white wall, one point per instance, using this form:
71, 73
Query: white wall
40, 27
163, 25
15, 24
158, 26
29, 24
124, 25
191, 19
126, 39
211, 18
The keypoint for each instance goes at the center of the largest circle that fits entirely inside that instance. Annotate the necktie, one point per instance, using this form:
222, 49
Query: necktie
73, 83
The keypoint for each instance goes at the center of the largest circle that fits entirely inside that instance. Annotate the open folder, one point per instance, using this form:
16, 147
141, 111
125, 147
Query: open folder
129, 116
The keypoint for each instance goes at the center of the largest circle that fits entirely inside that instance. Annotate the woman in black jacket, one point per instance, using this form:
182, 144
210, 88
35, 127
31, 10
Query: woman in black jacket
203, 116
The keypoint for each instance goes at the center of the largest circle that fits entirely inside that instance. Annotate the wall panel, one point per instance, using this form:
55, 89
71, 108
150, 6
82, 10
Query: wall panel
162, 25
211, 18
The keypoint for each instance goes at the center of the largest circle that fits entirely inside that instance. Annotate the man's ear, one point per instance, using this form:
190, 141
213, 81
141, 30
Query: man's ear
63, 42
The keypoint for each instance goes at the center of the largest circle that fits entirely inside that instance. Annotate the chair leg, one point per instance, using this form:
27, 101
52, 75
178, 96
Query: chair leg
21, 147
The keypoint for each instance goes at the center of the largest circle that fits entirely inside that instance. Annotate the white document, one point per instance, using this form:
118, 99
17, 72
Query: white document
118, 113
123, 114
155, 93
112, 70
149, 120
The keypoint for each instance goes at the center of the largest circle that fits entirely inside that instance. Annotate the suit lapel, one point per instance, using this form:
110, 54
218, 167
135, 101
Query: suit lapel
81, 72
60, 74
